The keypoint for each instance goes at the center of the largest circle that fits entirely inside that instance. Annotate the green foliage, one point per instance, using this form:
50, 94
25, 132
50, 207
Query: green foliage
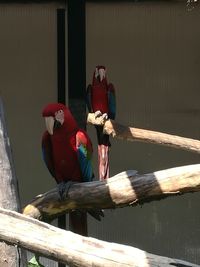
34, 262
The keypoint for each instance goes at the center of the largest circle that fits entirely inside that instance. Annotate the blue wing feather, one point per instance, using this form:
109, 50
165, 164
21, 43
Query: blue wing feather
85, 164
111, 101
84, 151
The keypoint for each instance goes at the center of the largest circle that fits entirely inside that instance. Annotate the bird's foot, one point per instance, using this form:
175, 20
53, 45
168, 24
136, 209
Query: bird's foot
105, 116
97, 214
97, 114
63, 189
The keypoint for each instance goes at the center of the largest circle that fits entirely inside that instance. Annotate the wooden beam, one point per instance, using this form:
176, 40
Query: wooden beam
9, 196
119, 131
73, 249
124, 189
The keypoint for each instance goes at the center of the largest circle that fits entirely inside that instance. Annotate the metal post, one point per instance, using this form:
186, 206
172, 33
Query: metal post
77, 83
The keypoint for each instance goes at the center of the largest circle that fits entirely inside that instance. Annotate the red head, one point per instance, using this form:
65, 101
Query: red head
99, 74
52, 108
57, 115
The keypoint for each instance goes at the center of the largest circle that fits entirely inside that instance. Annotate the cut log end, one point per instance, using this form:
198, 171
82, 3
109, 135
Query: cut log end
32, 211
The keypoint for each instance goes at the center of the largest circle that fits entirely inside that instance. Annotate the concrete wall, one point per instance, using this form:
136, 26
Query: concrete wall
151, 51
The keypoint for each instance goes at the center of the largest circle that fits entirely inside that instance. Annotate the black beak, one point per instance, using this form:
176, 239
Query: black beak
57, 124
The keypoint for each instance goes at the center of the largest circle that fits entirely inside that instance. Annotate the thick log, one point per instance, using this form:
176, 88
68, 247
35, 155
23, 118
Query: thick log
124, 189
73, 249
9, 197
119, 131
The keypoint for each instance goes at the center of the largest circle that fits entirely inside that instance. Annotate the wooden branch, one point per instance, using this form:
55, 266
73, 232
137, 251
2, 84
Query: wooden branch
124, 189
9, 197
119, 131
73, 249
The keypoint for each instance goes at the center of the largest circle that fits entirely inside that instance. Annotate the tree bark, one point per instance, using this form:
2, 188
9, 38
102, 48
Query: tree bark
73, 249
124, 189
9, 198
119, 131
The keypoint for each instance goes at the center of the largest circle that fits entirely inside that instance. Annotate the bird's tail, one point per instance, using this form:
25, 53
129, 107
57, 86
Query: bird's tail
96, 213
78, 222
103, 159
103, 153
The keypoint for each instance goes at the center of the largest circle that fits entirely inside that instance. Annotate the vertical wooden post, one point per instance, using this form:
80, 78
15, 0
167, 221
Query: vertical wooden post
10, 256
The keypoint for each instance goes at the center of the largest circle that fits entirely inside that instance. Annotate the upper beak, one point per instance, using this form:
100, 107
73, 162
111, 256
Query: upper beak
101, 74
49, 121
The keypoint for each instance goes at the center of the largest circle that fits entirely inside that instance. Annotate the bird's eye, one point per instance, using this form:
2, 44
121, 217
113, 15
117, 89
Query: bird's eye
59, 116
59, 112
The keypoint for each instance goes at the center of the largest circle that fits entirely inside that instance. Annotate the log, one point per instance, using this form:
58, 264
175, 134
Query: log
125, 189
119, 131
73, 249
9, 196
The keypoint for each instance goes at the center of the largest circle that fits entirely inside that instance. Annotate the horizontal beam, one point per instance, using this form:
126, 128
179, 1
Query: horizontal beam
125, 189
73, 249
120, 131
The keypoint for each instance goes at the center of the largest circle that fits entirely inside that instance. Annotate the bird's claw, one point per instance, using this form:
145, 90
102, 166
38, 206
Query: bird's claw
101, 118
97, 114
63, 189
98, 214
105, 116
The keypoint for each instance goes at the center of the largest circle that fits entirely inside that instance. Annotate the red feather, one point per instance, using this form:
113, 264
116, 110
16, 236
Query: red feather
101, 97
60, 149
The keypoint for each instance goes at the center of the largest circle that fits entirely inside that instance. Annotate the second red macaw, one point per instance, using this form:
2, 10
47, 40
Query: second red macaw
101, 100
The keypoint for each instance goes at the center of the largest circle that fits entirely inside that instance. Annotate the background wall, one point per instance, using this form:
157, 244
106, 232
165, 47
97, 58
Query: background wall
151, 51
28, 81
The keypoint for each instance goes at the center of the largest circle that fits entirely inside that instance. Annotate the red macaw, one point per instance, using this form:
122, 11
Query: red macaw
101, 100
67, 149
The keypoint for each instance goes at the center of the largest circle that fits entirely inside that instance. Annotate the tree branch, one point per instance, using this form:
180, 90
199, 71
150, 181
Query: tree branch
119, 131
72, 249
124, 189
9, 195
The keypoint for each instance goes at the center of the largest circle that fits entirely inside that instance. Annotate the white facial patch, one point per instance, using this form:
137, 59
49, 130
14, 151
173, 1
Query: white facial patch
96, 73
102, 74
59, 116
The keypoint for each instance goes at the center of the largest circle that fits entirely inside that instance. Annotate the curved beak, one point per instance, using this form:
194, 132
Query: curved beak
49, 121
102, 74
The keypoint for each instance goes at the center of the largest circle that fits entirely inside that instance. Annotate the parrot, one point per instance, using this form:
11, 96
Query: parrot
67, 150
101, 100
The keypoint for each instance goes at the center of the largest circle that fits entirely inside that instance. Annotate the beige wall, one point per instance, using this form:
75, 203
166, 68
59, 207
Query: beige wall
28, 80
151, 51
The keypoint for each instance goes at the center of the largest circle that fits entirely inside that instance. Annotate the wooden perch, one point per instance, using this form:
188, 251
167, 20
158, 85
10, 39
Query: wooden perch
117, 130
72, 249
9, 195
124, 189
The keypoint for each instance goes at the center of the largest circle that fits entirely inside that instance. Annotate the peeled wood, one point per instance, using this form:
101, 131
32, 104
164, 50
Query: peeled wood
73, 249
124, 189
119, 131
9, 198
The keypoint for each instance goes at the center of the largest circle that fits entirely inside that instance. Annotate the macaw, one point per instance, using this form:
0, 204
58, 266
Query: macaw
101, 101
67, 149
